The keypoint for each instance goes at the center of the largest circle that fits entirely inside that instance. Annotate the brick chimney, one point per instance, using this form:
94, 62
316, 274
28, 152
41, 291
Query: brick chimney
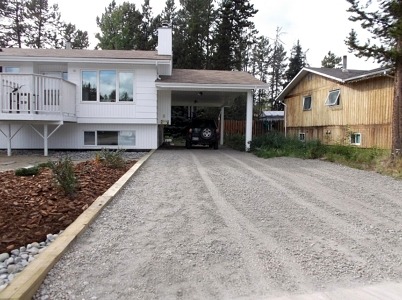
165, 39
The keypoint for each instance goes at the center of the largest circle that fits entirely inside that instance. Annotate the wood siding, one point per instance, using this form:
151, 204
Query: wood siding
365, 107
259, 127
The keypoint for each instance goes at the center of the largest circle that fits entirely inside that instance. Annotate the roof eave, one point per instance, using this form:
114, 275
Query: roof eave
211, 87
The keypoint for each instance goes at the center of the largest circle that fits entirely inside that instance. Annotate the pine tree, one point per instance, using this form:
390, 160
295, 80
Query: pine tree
119, 26
331, 61
297, 61
77, 38
384, 23
169, 13
235, 33
43, 23
13, 15
147, 38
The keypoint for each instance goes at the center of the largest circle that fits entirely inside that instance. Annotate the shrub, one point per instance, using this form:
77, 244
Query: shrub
27, 171
63, 172
111, 158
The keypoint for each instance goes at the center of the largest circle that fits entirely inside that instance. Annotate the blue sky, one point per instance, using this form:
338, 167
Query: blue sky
319, 25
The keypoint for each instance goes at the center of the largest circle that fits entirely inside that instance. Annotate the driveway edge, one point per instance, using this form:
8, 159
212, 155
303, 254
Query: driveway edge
26, 283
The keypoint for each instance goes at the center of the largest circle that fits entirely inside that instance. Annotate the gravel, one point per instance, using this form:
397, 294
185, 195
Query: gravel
206, 224
13, 263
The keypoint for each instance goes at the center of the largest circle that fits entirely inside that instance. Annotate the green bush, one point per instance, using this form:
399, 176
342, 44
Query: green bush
27, 171
63, 172
111, 158
235, 141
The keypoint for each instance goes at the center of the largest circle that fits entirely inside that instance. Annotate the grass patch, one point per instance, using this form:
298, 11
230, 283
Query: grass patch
277, 145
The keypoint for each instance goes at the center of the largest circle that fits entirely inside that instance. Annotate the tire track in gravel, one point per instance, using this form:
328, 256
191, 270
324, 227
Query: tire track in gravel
365, 241
251, 238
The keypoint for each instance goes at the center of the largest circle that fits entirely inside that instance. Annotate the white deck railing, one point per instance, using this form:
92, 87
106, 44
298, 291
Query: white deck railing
36, 94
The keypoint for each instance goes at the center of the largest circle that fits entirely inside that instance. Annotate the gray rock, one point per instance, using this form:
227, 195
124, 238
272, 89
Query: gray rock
15, 252
3, 271
33, 250
35, 245
11, 269
24, 256
3, 276
23, 249
17, 260
10, 261
4, 256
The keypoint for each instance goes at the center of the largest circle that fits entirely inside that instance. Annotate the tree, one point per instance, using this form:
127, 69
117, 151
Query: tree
297, 61
77, 38
331, 61
278, 66
13, 14
119, 27
192, 34
235, 33
147, 38
169, 14
384, 24
43, 24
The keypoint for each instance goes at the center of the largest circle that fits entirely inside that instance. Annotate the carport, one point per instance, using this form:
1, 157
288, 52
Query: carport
211, 88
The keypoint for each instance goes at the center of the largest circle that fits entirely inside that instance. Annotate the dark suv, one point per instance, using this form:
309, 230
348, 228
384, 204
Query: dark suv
202, 132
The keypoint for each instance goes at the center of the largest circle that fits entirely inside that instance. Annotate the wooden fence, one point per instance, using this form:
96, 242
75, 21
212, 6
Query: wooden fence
259, 127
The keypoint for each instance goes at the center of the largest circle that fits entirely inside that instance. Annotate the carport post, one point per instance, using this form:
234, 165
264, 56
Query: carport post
222, 129
249, 119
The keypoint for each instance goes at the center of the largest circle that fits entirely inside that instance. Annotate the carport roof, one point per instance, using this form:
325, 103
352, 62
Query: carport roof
187, 78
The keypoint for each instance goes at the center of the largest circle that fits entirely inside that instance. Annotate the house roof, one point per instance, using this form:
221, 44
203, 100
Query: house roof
340, 75
25, 54
182, 78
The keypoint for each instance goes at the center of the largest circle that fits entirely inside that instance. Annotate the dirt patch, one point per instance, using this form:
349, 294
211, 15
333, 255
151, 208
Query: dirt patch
34, 206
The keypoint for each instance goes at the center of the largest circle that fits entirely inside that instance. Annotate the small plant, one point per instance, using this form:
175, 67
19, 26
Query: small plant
63, 172
111, 158
31, 171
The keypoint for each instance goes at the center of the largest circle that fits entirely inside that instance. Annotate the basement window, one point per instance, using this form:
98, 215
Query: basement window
302, 136
109, 138
307, 103
355, 139
333, 98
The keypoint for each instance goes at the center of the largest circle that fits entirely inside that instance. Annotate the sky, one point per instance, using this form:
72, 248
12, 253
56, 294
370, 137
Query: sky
319, 25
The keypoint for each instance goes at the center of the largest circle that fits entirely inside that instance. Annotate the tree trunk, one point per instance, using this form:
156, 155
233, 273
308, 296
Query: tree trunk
397, 110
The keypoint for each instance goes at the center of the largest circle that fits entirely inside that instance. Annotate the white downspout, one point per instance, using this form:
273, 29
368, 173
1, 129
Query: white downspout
249, 120
222, 124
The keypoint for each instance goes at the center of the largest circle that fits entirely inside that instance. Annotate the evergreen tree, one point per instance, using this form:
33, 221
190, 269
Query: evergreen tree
169, 14
331, 61
77, 38
13, 15
147, 38
43, 22
385, 26
235, 32
297, 61
277, 71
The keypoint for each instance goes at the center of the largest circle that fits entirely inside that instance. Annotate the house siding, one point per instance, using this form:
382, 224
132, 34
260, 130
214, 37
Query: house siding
365, 107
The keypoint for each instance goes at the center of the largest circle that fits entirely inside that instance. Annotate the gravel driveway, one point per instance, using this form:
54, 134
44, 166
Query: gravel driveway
206, 224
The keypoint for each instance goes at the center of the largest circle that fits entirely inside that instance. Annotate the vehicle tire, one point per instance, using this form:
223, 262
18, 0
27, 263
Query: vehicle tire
216, 145
207, 133
188, 145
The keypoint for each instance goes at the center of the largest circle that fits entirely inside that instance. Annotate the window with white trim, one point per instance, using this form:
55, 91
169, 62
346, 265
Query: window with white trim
109, 138
307, 103
355, 138
302, 136
107, 86
11, 69
333, 98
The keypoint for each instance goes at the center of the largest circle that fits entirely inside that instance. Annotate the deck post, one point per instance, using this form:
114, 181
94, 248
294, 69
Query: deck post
9, 140
222, 129
45, 138
249, 119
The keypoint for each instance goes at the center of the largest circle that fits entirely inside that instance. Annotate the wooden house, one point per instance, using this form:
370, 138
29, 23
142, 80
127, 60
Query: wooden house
93, 99
340, 106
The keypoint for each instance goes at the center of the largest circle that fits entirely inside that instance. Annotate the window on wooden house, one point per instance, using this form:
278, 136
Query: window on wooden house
107, 86
355, 139
302, 136
307, 103
333, 98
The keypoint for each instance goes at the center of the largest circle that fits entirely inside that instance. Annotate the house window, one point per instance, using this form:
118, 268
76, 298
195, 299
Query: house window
107, 86
302, 137
126, 89
333, 98
109, 138
89, 86
307, 103
89, 138
11, 70
355, 138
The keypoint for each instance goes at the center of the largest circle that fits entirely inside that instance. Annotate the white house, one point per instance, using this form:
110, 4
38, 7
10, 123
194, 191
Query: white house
93, 99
